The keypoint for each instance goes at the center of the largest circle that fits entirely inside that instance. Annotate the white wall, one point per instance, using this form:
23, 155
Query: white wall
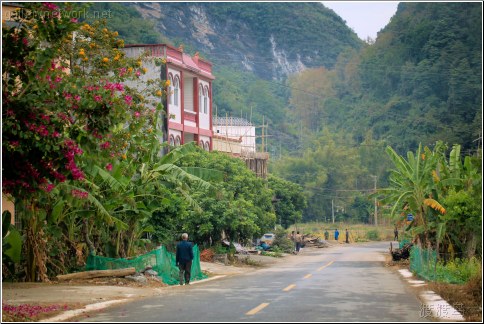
246, 132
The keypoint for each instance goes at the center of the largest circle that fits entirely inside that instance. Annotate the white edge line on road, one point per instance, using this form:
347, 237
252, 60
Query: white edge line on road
433, 303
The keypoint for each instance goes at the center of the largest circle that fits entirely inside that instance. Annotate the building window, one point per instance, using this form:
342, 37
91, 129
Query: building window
172, 140
207, 146
200, 97
205, 100
178, 141
201, 144
170, 90
176, 89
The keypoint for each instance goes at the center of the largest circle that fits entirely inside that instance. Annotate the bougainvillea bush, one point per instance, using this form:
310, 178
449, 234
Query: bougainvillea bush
63, 93
68, 109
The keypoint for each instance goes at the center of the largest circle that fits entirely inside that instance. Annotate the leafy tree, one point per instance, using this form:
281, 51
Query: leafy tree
289, 201
242, 207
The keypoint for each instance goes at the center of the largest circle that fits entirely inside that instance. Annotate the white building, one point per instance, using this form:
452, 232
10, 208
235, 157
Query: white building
230, 129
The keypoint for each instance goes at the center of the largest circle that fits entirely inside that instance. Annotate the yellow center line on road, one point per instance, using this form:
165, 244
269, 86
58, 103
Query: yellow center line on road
257, 309
326, 265
289, 287
308, 276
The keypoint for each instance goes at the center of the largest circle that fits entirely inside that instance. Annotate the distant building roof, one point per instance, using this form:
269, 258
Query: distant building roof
230, 121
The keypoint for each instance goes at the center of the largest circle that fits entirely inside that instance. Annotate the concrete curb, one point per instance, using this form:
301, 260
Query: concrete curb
433, 305
76, 312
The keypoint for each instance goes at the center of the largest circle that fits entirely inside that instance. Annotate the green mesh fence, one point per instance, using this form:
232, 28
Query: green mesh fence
424, 263
402, 243
162, 261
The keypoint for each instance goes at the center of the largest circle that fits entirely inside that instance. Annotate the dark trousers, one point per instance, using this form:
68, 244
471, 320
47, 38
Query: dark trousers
185, 271
298, 246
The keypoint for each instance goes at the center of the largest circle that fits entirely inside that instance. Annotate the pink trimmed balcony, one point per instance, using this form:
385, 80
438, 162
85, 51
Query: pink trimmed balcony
190, 116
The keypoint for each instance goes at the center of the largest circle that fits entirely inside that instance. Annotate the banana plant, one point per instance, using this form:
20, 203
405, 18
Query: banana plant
412, 186
11, 242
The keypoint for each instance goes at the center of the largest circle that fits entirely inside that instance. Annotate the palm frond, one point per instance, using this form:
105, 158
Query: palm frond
177, 153
98, 206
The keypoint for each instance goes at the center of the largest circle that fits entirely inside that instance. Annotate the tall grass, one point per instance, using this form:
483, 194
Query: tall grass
358, 232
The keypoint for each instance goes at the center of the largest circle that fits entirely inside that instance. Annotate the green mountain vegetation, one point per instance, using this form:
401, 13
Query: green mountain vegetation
333, 103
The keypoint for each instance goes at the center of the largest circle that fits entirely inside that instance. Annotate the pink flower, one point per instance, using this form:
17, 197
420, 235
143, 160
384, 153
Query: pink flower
109, 166
49, 5
98, 98
79, 194
49, 187
137, 114
105, 145
74, 20
77, 98
128, 100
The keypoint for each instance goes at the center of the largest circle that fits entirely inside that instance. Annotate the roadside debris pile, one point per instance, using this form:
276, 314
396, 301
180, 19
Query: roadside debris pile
401, 254
311, 241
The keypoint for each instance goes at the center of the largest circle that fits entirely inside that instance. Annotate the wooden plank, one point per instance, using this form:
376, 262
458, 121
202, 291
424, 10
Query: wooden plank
97, 274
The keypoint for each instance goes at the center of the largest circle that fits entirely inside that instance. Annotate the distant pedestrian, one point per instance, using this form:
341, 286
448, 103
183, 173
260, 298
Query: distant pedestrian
336, 234
298, 242
184, 257
395, 232
347, 236
326, 235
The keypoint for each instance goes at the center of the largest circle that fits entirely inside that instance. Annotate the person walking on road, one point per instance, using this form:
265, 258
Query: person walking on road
395, 232
184, 257
336, 234
347, 236
326, 235
298, 242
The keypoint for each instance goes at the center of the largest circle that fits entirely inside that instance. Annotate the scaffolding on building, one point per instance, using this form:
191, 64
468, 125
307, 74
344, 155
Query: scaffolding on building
236, 136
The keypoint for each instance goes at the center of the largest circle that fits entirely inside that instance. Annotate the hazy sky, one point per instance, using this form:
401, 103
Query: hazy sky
366, 18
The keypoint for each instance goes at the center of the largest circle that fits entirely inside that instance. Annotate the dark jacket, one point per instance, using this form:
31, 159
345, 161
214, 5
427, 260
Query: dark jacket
184, 252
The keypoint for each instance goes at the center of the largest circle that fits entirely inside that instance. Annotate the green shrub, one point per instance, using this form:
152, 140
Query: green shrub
458, 270
281, 242
373, 235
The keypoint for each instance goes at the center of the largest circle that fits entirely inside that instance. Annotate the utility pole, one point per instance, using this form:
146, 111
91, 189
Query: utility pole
376, 207
332, 209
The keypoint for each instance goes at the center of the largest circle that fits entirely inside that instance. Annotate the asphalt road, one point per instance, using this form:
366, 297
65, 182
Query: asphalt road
348, 283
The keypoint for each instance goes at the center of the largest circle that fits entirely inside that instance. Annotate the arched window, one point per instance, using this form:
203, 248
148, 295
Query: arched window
201, 144
200, 98
178, 141
172, 140
170, 89
176, 89
205, 100
207, 146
